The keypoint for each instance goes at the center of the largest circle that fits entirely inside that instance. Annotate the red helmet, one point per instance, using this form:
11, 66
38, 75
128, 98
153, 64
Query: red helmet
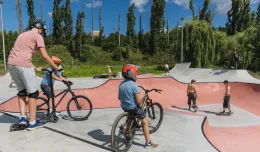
129, 71
56, 59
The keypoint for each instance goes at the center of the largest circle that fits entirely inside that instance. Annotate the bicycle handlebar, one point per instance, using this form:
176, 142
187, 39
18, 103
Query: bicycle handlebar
67, 83
44, 69
147, 91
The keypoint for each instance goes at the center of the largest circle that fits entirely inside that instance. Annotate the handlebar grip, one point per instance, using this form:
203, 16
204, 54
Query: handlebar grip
44, 69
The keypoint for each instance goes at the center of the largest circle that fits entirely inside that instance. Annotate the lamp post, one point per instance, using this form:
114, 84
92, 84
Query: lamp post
3, 37
182, 40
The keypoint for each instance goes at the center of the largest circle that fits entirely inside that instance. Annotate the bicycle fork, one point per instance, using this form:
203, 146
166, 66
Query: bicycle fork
152, 108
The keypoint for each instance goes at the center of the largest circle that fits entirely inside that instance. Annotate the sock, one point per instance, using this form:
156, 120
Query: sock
50, 110
33, 122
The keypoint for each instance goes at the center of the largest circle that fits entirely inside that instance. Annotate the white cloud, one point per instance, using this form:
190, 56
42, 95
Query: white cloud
222, 6
255, 1
50, 14
139, 4
96, 4
184, 3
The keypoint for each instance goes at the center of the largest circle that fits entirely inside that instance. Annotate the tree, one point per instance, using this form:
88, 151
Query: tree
30, 7
79, 34
253, 18
245, 12
19, 15
238, 16
41, 9
119, 35
100, 16
57, 19
68, 28
204, 10
157, 25
141, 42
258, 15
130, 33
192, 8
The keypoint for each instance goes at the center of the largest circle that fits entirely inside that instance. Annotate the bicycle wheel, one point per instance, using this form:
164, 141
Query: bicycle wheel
122, 139
79, 108
155, 116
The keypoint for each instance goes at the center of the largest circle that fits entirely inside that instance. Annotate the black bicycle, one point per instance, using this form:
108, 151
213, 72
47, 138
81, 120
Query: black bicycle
122, 139
79, 107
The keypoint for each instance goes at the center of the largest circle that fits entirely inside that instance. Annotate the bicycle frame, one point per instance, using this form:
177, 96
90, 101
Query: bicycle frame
64, 92
146, 101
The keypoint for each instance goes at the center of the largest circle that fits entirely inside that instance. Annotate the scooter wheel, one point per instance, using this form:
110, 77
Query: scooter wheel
55, 119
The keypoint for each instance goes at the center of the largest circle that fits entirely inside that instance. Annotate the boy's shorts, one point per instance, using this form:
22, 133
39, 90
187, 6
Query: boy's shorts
46, 90
226, 103
138, 112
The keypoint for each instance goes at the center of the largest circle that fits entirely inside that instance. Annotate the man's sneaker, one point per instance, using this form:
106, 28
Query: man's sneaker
38, 124
150, 145
23, 121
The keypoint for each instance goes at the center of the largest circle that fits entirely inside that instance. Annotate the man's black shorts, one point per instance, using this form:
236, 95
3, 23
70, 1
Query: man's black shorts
226, 103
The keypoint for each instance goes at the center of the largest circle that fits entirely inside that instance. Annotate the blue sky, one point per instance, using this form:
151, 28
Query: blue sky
175, 9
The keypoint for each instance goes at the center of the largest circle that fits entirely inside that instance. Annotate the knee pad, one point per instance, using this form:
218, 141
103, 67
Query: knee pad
22, 93
34, 95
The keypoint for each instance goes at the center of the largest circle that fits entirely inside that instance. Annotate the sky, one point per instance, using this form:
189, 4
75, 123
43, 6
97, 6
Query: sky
175, 9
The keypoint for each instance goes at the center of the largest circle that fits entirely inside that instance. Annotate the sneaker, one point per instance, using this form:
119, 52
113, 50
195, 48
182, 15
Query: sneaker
150, 145
23, 121
38, 124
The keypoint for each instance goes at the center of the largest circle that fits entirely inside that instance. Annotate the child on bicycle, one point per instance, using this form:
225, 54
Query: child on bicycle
45, 84
129, 95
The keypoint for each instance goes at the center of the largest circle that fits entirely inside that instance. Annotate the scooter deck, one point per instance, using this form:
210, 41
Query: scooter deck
18, 127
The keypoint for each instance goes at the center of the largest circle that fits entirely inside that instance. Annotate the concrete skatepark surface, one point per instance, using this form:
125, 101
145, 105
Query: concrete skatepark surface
181, 130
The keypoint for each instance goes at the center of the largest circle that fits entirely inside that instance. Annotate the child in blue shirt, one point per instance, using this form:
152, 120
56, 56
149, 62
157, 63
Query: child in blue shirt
129, 95
45, 84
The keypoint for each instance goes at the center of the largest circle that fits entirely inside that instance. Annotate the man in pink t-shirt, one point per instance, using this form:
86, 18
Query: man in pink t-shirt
22, 70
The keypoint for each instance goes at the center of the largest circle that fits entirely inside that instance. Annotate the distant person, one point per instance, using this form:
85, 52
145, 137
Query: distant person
11, 83
109, 72
192, 94
226, 103
235, 59
166, 69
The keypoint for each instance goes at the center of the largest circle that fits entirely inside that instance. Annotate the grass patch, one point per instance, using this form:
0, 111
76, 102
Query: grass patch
91, 70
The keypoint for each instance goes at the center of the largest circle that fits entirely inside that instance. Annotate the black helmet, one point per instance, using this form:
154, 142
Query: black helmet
39, 25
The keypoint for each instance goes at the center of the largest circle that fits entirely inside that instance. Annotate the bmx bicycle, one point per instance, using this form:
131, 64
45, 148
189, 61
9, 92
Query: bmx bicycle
77, 102
122, 139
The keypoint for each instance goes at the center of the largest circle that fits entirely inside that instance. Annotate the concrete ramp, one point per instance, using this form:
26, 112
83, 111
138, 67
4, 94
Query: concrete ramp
183, 73
179, 68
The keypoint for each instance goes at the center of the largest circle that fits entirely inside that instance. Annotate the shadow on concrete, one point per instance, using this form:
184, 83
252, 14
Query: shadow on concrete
100, 136
66, 117
205, 111
220, 72
7, 119
186, 109
209, 112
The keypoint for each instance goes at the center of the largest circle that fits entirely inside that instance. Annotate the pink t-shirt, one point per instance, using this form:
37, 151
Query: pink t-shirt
26, 45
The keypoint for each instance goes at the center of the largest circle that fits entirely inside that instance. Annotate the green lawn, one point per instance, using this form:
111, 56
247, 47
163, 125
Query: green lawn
84, 70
